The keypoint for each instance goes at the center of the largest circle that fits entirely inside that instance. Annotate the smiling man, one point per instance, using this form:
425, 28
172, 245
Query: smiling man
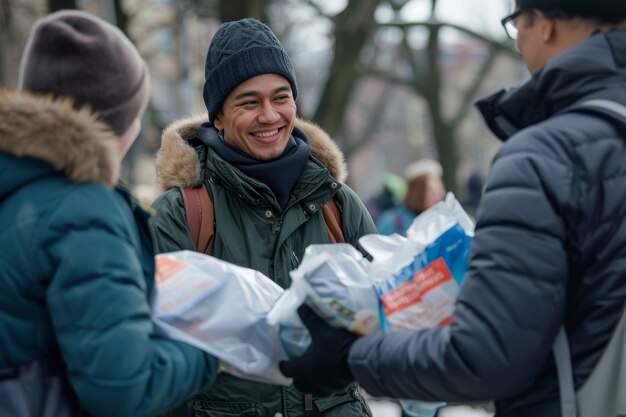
270, 177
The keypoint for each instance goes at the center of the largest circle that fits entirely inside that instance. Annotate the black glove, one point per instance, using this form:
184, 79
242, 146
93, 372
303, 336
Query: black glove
323, 369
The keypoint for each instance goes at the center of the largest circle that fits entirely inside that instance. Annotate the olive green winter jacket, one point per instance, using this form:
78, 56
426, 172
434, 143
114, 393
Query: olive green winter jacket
250, 231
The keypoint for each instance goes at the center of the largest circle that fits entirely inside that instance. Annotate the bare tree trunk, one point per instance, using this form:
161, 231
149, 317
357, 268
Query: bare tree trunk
441, 129
16, 19
54, 5
130, 161
238, 9
121, 18
353, 27
5, 35
258, 10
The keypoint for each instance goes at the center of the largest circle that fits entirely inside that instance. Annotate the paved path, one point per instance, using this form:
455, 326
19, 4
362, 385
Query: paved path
388, 408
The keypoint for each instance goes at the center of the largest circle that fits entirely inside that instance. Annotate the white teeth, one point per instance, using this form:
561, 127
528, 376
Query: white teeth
266, 134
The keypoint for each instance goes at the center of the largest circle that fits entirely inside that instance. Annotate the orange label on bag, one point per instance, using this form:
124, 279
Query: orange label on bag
410, 293
166, 267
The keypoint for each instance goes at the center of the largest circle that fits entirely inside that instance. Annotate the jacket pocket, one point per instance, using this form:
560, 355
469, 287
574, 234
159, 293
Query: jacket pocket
352, 405
202, 408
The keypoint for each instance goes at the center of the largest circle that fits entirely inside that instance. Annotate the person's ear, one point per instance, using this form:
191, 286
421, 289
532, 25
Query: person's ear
218, 121
548, 27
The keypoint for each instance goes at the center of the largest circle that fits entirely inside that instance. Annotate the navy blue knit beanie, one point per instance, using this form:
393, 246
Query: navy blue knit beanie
606, 11
239, 51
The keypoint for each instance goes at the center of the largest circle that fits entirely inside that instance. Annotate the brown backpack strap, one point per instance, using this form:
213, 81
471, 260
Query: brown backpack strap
200, 217
332, 218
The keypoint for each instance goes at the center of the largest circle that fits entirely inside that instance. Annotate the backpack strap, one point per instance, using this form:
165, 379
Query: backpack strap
563, 361
609, 374
200, 217
602, 394
608, 107
332, 219
610, 110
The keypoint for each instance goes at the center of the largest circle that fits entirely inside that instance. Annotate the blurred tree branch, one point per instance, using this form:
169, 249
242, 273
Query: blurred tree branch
428, 84
504, 47
315, 5
353, 28
377, 112
470, 93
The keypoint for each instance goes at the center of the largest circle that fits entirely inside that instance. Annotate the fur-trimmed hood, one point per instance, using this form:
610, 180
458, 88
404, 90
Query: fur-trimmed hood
178, 165
72, 141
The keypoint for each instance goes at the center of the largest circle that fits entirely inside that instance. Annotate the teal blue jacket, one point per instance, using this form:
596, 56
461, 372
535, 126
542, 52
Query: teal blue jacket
76, 265
397, 219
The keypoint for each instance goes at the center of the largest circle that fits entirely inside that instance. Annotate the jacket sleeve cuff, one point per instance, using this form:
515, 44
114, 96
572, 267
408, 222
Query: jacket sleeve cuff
361, 366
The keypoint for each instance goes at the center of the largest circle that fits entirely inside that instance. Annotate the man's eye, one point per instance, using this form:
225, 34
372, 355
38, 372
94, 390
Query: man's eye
282, 98
249, 103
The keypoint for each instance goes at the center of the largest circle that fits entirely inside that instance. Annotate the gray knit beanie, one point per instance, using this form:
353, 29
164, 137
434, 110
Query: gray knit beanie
75, 54
607, 11
239, 51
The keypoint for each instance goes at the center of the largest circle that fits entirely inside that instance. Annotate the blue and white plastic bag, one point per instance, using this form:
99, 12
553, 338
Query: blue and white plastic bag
419, 290
417, 279
412, 283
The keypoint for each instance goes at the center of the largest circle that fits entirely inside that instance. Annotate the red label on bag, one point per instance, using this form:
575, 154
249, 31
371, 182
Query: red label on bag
166, 267
410, 293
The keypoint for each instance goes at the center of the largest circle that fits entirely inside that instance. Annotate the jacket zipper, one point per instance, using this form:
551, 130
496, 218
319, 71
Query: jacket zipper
295, 262
276, 227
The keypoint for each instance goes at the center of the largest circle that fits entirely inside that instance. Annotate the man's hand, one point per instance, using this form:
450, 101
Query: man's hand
323, 369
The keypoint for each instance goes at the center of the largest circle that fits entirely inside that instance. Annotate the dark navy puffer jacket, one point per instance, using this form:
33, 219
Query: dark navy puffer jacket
550, 249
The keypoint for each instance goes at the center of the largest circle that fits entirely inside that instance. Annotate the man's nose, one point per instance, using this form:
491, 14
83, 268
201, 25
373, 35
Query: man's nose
268, 114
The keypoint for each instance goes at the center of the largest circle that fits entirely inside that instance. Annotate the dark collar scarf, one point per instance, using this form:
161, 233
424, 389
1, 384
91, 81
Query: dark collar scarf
280, 174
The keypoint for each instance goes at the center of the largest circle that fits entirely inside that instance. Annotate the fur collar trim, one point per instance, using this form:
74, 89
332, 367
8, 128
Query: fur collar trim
178, 165
72, 141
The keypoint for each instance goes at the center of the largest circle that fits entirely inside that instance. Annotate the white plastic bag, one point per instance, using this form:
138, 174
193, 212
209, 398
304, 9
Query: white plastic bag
333, 280
220, 308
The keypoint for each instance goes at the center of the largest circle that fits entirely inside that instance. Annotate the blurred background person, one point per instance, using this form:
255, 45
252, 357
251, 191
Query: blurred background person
393, 190
424, 189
